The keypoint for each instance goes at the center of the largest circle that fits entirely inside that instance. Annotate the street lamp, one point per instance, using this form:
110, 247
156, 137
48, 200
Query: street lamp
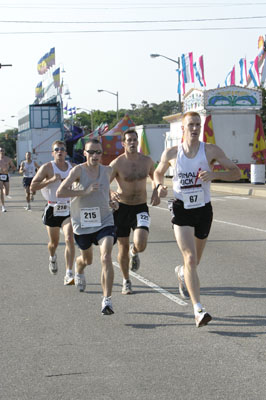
115, 94
91, 113
178, 63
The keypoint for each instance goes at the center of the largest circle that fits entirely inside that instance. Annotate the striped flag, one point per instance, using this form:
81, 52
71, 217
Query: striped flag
56, 77
187, 67
144, 146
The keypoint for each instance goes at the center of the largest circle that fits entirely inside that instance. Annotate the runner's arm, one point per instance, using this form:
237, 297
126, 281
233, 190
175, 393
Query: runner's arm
215, 153
43, 177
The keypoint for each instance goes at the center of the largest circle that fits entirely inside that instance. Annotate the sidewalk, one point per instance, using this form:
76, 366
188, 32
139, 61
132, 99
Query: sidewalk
244, 189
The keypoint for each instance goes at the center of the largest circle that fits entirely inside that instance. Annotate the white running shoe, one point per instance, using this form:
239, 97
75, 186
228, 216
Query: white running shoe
126, 288
202, 318
28, 208
80, 282
53, 268
134, 261
69, 280
181, 283
107, 307
3, 209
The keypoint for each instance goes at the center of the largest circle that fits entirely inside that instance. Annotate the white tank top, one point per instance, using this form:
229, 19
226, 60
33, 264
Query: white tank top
186, 174
49, 191
29, 169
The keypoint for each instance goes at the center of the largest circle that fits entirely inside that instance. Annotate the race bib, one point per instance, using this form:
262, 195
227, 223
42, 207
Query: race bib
193, 198
90, 217
61, 210
3, 177
143, 219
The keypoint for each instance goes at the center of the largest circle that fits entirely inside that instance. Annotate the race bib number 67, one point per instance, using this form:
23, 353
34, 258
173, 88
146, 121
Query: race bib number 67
193, 198
143, 219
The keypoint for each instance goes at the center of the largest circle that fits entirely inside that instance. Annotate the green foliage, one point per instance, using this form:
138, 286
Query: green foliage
8, 142
141, 114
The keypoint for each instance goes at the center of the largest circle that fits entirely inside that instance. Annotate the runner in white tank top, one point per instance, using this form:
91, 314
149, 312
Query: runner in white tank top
57, 212
191, 209
28, 168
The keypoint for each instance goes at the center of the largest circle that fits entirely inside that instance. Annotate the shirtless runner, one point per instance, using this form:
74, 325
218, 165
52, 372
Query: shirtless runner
131, 170
5, 165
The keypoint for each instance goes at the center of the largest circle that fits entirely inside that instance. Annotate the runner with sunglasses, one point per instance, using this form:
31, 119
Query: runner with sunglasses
57, 211
92, 218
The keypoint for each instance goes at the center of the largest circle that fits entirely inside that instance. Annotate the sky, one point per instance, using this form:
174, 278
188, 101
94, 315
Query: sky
107, 45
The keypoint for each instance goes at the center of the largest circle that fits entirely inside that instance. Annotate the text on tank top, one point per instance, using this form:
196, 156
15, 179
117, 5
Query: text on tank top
187, 186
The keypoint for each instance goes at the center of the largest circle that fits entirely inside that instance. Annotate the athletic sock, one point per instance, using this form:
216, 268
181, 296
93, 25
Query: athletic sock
197, 308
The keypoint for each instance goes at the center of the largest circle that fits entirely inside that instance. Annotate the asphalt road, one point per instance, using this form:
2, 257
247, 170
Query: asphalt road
55, 344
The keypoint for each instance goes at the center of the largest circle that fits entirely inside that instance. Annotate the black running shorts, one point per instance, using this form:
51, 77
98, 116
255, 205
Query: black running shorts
85, 241
49, 219
200, 218
26, 182
126, 218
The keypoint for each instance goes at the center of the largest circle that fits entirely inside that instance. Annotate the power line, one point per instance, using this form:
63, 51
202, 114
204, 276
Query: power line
119, 6
135, 22
135, 30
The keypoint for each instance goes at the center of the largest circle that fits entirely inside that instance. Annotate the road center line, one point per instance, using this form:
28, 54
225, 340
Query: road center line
152, 285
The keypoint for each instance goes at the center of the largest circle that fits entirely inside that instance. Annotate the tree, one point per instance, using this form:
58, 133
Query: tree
8, 142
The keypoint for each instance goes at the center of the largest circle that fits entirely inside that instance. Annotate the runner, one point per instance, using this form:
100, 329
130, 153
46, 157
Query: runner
57, 211
28, 168
5, 165
192, 162
131, 170
92, 218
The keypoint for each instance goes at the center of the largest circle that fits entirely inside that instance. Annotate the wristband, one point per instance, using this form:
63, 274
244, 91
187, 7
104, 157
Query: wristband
157, 187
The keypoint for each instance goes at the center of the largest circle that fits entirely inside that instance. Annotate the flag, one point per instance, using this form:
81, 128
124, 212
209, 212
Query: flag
56, 76
201, 69
243, 71
51, 58
39, 90
260, 46
230, 77
198, 67
208, 132
178, 81
65, 109
252, 74
42, 66
187, 67
144, 146
259, 150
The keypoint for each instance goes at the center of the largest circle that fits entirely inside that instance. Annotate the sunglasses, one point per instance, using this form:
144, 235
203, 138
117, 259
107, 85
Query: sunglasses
56, 149
91, 152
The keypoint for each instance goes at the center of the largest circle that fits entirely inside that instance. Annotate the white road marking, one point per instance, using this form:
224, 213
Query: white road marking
240, 226
225, 222
236, 198
152, 285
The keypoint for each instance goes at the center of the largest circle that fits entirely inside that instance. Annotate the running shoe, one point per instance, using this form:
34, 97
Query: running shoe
69, 279
3, 209
28, 208
80, 282
202, 318
107, 308
181, 283
126, 288
53, 265
134, 261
